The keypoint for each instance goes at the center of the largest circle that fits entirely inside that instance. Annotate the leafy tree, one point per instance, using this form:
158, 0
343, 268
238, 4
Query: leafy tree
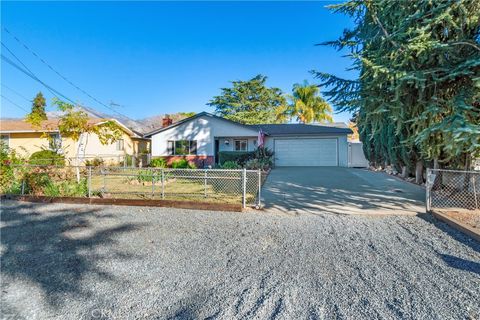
74, 123
249, 102
306, 105
37, 115
418, 91
353, 126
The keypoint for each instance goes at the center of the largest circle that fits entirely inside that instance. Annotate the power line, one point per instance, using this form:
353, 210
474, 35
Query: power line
63, 77
16, 92
13, 103
55, 92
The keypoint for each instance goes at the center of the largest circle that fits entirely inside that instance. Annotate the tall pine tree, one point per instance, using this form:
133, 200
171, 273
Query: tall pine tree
38, 114
417, 96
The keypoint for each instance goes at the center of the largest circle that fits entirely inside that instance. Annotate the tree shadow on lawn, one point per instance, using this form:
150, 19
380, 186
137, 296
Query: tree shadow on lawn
37, 247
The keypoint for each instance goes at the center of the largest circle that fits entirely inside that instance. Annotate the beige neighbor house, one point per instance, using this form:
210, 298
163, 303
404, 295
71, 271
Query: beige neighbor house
25, 139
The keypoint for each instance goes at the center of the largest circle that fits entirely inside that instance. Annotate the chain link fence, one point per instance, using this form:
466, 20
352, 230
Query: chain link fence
453, 189
122, 160
211, 185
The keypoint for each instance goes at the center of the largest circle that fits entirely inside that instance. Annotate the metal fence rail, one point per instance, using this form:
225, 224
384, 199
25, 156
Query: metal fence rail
211, 185
123, 160
452, 189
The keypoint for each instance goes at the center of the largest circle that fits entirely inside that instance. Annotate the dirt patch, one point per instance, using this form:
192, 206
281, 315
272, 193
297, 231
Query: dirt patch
468, 217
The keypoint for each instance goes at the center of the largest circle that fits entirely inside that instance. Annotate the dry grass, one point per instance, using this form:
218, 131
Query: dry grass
174, 189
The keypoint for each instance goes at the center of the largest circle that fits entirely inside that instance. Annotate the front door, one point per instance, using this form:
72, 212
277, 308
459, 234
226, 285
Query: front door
217, 147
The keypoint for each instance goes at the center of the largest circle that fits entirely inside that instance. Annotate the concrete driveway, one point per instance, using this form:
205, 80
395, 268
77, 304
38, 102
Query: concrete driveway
340, 191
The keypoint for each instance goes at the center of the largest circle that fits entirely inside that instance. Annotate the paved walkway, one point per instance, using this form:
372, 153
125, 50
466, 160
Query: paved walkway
340, 191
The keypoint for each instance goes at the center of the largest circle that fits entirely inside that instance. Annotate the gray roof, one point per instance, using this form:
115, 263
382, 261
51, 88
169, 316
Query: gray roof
269, 129
300, 129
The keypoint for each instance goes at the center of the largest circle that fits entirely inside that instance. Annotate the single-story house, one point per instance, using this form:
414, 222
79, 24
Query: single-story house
26, 139
200, 138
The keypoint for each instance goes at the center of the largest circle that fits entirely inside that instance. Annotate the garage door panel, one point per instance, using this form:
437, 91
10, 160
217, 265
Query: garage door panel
306, 152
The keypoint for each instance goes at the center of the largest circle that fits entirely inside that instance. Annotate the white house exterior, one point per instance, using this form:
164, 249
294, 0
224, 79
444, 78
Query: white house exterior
201, 137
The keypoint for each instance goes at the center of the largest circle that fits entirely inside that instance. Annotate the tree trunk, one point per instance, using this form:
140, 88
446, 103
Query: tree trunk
436, 165
419, 172
404, 172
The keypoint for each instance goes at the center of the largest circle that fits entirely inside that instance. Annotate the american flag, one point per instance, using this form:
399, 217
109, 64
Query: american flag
261, 138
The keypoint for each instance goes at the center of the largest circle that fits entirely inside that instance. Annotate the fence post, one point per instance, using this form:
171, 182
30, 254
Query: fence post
244, 188
163, 184
89, 181
205, 184
104, 179
475, 192
153, 184
259, 204
23, 186
427, 190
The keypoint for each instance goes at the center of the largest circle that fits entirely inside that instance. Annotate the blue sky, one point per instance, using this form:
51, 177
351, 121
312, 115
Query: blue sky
164, 57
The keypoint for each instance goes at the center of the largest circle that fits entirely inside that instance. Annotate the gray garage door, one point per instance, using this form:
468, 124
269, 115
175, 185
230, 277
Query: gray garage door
306, 152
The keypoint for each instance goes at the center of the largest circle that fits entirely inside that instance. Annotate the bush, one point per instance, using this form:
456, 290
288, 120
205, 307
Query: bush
127, 161
9, 182
148, 175
47, 157
158, 163
239, 157
183, 164
258, 164
96, 162
231, 165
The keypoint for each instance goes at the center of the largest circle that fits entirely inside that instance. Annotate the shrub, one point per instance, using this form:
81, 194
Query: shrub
127, 161
9, 182
264, 153
231, 165
158, 163
258, 164
96, 162
47, 157
183, 164
148, 175
66, 189
239, 157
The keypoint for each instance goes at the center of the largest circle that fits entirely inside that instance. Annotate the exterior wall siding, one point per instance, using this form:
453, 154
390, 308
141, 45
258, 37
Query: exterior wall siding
202, 129
29, 142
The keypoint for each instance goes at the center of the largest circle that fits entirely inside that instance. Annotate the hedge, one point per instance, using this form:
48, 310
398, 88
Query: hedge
239, 157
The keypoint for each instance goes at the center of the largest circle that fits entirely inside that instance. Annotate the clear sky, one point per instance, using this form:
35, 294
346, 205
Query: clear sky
163, 57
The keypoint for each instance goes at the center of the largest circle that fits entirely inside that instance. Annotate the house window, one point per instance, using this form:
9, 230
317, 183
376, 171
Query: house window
240, 145
182, 147
55, 141
4, 141
120, 145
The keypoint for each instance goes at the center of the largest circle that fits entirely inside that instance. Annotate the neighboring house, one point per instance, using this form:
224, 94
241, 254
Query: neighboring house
201, 137
25, 139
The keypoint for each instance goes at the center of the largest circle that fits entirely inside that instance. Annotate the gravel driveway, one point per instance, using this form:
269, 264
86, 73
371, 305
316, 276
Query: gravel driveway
90, 262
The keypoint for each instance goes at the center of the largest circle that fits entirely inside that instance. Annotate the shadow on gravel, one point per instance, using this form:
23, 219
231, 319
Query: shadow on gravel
462, 264
455, 234
39, 248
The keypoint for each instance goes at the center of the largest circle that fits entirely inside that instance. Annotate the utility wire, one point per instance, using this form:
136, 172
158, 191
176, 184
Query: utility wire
16, 92
13, 103
63, 77
55, 92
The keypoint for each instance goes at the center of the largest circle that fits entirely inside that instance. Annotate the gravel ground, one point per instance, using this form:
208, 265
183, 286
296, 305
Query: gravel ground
91, 262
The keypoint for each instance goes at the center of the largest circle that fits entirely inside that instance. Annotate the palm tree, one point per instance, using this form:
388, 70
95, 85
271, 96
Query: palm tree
306, 105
